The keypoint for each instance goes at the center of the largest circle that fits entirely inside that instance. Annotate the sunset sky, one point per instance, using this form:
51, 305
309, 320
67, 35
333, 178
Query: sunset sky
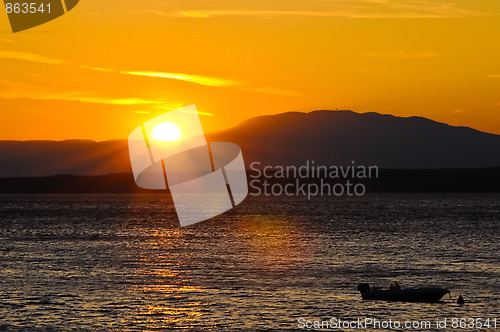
107, 66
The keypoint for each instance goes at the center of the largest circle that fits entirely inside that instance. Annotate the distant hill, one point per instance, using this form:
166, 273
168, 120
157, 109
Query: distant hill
327, 137
483, 180
339, 137
77, 157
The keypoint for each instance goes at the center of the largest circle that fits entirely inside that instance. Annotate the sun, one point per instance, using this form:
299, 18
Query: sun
166, 132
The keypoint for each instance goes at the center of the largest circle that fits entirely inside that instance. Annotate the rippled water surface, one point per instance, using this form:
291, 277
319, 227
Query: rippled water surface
120, 262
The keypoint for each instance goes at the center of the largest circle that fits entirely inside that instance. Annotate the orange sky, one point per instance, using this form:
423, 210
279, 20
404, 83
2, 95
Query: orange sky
107, 66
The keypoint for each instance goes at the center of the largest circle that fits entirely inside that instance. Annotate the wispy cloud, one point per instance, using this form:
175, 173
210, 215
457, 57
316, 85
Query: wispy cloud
80, 98
179, 105
493, 76
96, 68
206, 114
403, 55
215, 81
31, 93
343, 8
198, 79
23, 91
274, 91
26, 56
245, 12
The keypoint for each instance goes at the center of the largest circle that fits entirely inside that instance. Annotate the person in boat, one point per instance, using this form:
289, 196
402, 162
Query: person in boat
394, 286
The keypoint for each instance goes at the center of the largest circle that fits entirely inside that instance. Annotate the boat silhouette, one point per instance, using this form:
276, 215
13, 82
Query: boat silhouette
396, 293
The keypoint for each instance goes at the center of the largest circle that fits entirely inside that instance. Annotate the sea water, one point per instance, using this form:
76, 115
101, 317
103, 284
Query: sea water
121, 262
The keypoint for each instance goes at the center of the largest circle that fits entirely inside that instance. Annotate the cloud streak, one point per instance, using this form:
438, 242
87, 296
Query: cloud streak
81, 98
274, 91
214, 82
34, 93
403, 55
97, 68
180, 105
381, 9
197, 79
32, 57
22, 91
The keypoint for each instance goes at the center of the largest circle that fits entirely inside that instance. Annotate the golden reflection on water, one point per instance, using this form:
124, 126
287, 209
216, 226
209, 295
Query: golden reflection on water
169, 289
272, 243
172, 295
165, 316
162, 281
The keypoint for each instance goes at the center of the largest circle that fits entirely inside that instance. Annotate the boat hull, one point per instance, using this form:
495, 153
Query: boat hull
427, 295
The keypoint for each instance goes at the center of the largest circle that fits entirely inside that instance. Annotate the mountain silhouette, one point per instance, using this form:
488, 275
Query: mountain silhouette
325, 137
77, 157
340, 137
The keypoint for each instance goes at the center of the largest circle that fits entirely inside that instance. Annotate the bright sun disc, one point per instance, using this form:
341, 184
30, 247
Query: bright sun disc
166, 131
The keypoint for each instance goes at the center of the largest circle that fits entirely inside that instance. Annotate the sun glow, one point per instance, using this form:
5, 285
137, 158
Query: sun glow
166, 132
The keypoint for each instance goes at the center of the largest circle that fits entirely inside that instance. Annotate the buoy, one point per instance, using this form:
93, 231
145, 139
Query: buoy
460, 300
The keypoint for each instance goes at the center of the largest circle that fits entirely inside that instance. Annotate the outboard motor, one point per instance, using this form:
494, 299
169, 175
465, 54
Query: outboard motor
363, 288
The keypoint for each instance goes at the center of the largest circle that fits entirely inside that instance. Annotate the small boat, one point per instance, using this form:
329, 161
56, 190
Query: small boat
396, 293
